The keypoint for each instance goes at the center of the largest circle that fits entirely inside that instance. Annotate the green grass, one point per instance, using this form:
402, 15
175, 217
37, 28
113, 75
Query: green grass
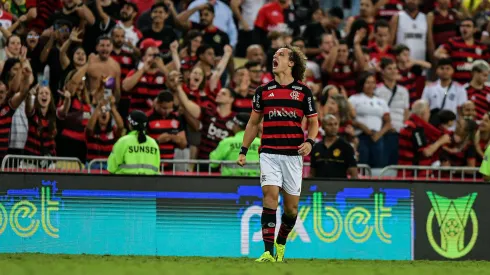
40, 264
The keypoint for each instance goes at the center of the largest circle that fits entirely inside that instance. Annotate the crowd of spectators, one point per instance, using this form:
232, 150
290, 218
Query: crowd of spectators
405, 79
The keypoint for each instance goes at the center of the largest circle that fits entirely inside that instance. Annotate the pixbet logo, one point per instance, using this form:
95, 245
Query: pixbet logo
282, 113
452, 216
215, 132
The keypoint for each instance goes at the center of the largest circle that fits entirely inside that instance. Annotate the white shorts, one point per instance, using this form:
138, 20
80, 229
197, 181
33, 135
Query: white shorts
283, 171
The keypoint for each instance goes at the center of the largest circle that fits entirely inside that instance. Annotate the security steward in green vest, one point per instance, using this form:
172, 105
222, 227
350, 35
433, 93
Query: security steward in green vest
230, 147
135, 153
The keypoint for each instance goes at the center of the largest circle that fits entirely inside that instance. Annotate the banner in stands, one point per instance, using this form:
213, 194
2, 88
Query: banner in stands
191, 216
452, 221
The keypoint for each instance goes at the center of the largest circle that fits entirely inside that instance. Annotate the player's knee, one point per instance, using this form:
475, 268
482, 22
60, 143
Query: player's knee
291, 210
270, 201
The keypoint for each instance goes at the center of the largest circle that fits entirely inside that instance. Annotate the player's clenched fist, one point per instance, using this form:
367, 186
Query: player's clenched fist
241, 160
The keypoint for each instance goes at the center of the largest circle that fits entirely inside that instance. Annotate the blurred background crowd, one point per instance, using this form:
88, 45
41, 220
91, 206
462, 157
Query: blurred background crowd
406, 79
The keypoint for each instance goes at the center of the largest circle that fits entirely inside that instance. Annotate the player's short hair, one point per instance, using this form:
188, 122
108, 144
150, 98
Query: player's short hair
203, 48
400, 48
336, 12
208, 7
381, 24
159, 5
165, 96
102, 38
299, 59
444, 62
385, 62
468, 19
479, 66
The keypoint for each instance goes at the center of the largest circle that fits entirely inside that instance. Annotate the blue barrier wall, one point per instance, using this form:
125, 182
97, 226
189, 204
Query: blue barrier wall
189, 216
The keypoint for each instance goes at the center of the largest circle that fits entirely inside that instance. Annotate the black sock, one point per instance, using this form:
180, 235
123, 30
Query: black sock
287, 225
268, 221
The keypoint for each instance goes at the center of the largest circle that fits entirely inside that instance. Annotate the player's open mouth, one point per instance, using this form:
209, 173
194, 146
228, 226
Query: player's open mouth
274, 63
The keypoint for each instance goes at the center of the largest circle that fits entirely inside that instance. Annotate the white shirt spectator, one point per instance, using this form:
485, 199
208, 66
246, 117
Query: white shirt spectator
434, 93
369, 110
223, 19
399, 103
19, 128
315, 68
250, 9
132, 34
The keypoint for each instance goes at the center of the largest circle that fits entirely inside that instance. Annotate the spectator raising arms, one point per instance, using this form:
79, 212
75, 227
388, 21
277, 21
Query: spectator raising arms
41, 114
104, 128
73, 113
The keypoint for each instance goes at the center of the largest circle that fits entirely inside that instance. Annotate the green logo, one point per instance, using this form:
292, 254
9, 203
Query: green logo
452, 216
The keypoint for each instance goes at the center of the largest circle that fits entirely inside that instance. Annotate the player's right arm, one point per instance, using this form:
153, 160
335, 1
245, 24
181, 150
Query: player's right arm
253, 125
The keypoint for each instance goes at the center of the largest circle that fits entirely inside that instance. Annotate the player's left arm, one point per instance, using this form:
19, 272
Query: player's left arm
312, 120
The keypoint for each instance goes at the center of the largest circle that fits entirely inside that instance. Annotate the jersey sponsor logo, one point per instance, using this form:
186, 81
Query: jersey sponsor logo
294, 95
282, 113
174, 123
271, 95
216, 133
411, 35
142, 149
271, 87
310, 104
464, 67
297, 88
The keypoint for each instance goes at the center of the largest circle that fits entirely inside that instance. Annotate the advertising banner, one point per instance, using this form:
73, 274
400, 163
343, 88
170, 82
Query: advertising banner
452, 222
190, 216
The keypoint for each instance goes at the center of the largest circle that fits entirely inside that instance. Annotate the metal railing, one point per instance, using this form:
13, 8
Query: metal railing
182, 167
22, 163
403, 172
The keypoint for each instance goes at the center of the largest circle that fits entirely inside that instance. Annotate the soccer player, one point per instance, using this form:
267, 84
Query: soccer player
282, 103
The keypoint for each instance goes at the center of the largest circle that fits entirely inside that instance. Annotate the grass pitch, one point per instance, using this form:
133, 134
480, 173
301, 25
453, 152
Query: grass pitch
40, 264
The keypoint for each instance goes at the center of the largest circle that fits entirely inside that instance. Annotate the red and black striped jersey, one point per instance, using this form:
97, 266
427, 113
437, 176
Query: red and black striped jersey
189, 62
214, 129
481, 98
390, 9
409, 81
171, 124
461, 157
243, 104
444, 27
283, 108
6, 114
40, 140
99, 144
376, 54
127, 63
147, 89
76, 120
344, 75
463, 56
412, 141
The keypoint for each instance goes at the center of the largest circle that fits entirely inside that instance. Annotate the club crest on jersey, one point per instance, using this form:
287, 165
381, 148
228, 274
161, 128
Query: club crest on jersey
294, 95
159, 80
174, 123
478, 51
